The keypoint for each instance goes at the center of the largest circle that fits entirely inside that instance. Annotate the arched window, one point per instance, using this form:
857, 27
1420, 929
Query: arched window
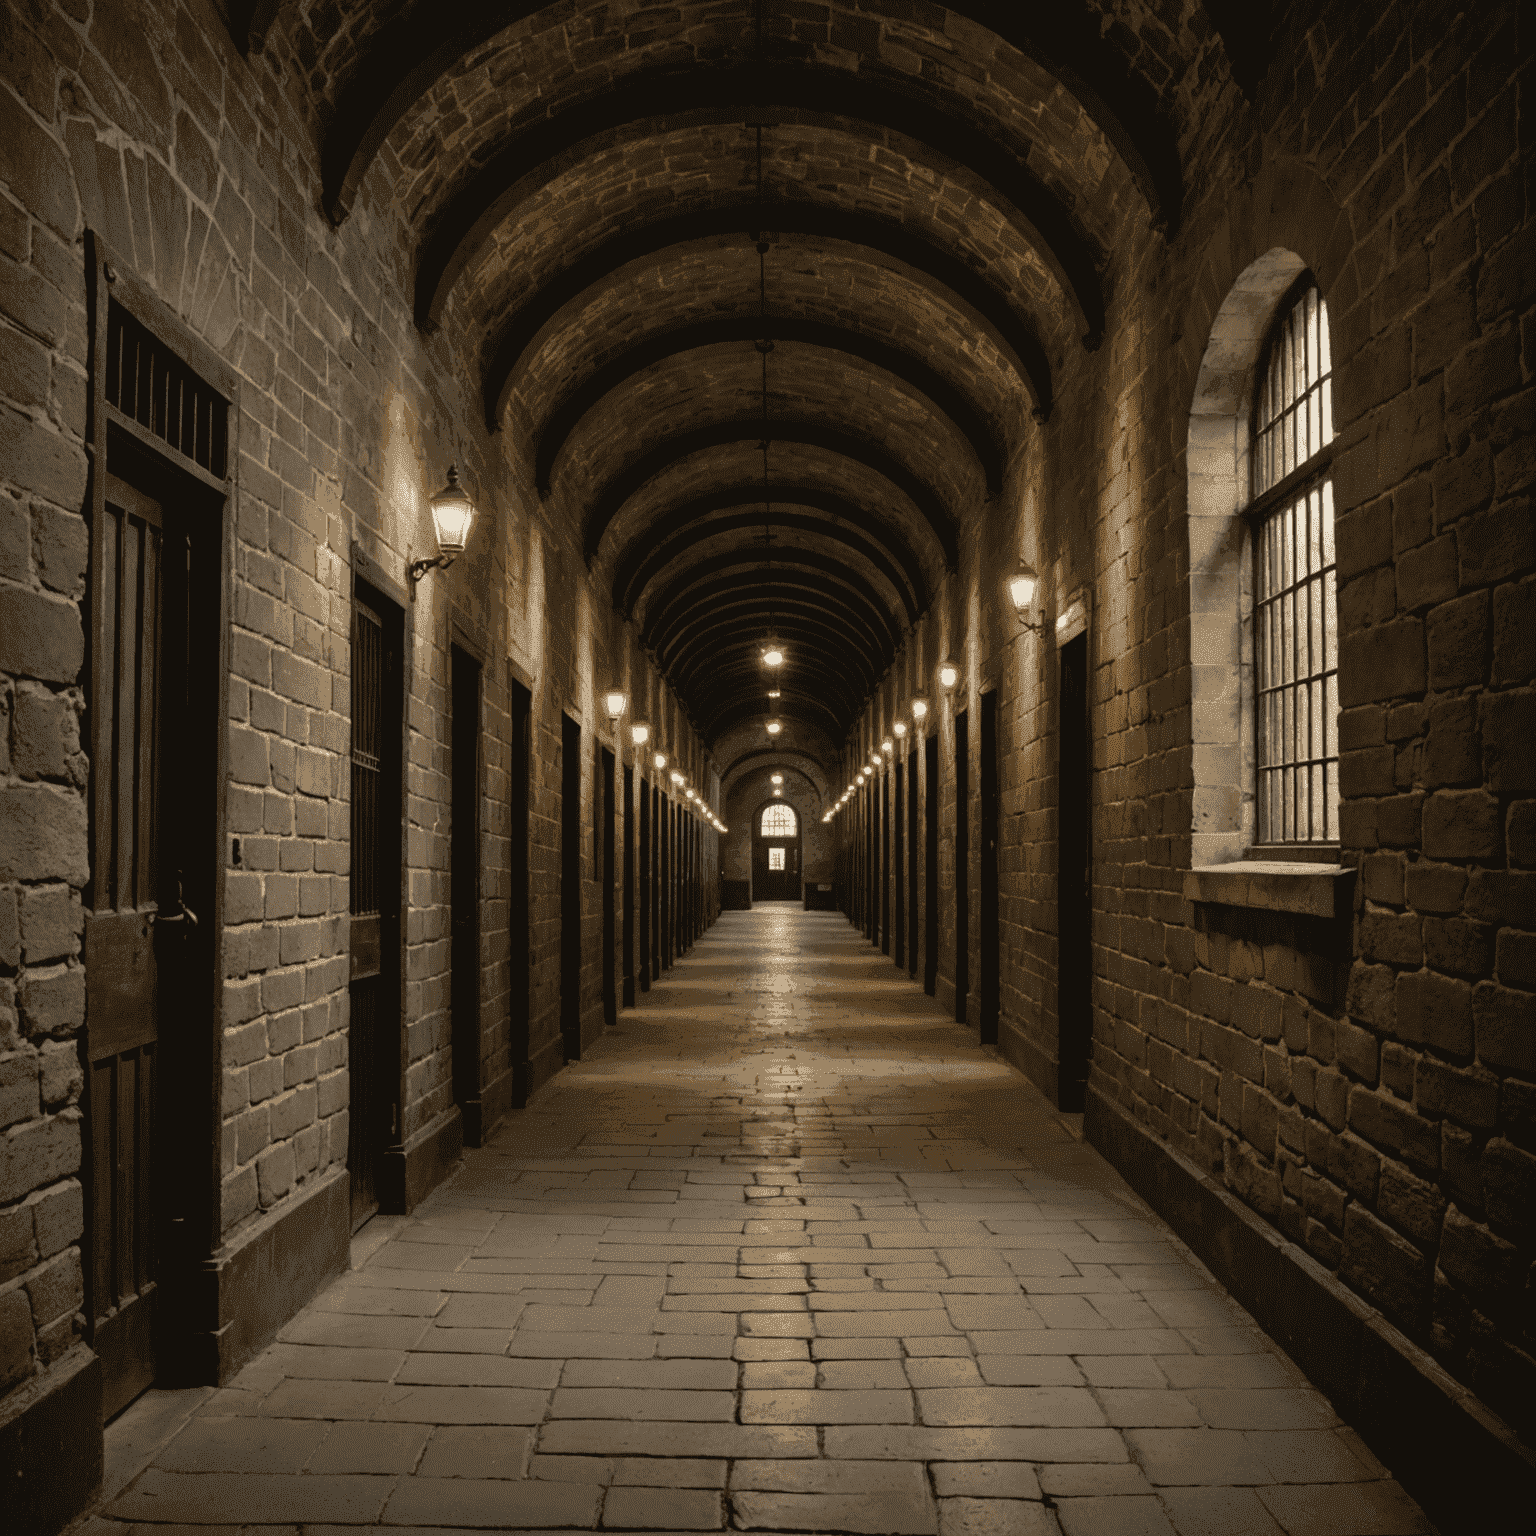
1295, 621
778, 821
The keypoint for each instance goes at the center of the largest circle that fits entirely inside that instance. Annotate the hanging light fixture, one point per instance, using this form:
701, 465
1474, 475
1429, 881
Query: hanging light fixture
777, 778
774, 727
453, 514
949, 675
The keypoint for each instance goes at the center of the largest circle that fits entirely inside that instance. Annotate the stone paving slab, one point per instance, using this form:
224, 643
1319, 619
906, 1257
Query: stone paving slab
787, 1251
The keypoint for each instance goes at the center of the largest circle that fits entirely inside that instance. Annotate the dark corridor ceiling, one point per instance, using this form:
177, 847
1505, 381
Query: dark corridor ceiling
934, 189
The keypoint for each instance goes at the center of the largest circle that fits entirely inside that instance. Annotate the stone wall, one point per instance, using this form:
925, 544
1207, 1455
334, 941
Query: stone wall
145, 124
1365, 1081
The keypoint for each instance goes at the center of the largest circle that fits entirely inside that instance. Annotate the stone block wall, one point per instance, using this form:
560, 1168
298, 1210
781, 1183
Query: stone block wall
1363, 1082
145, 124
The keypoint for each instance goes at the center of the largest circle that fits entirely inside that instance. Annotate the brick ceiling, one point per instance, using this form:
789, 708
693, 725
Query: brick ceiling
914, 203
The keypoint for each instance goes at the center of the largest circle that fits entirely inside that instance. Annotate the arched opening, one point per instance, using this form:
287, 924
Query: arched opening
1221, 560
775, 853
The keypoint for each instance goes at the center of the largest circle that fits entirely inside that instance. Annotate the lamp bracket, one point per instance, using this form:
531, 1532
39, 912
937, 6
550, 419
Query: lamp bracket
419, 568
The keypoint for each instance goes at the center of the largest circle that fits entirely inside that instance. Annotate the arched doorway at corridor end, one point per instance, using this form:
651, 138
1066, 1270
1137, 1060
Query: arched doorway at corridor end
776, 860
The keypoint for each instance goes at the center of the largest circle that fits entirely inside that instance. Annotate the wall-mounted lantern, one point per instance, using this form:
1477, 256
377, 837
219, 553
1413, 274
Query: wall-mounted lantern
774, 727
887, 746
660, 760
453, 513
640, 733
949, 675
1023, 586
777, 778
614, 701
773, 652
919, 707
900, 727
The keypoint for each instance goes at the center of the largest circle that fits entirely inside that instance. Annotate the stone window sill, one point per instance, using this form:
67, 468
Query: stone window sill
1273, 885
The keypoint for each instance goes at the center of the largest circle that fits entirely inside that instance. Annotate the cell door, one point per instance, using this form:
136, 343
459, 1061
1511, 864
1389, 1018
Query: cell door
147, 937
464, 892
373, 1036
991, 932
1074, 963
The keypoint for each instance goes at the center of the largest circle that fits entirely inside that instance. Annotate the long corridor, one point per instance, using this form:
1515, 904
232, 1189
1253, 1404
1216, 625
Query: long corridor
787, 1252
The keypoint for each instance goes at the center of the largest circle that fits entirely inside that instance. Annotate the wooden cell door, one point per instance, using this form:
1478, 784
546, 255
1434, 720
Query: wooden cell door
1074, 882
148, 931
464, 892
991, 931
776, 854
373, 1045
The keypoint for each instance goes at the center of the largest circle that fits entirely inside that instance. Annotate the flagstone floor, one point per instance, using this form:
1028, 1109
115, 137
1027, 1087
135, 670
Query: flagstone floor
787, 1251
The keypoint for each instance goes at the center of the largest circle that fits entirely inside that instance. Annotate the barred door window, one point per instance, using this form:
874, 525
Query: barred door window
778, 821
1295, 617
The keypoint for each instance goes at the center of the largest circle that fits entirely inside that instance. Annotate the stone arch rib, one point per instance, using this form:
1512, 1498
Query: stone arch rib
1012, 332
412, 53
678, 546
531, 158
636, 554
550, 437
620, 487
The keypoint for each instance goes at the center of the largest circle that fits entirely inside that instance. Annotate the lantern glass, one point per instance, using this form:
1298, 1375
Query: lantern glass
452, 514
900, 727
774, 727
640, 733
777, 778
614, 701
919, 708
660, 760
1021, 588
949, 674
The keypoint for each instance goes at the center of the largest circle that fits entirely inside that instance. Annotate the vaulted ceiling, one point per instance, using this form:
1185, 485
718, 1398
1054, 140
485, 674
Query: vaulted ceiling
914, 203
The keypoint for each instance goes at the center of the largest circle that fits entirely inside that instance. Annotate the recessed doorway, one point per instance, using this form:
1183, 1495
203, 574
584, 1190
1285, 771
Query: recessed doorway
776, 853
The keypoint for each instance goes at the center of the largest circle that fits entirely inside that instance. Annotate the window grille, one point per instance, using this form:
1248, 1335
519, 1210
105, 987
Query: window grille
775, 858
149, 384
778, 821
1295, 611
